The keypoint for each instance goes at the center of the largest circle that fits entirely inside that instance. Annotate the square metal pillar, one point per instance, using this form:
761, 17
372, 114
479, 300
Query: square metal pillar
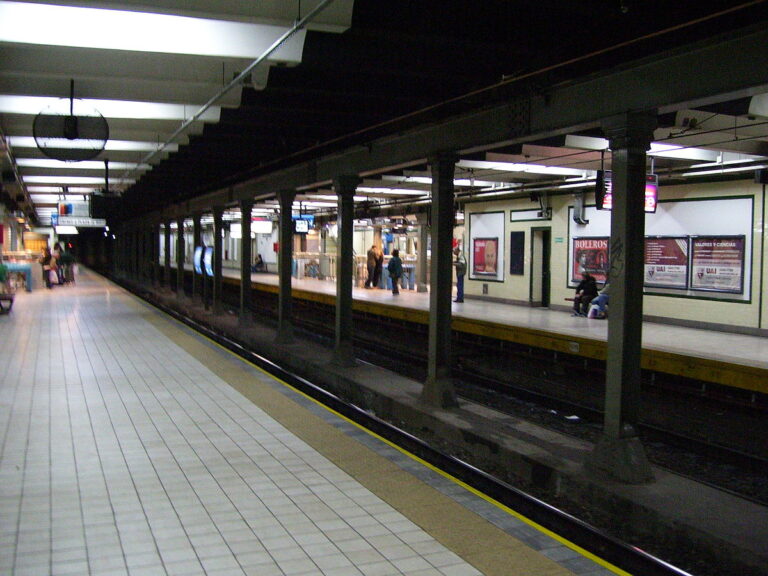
619, 452
438, 389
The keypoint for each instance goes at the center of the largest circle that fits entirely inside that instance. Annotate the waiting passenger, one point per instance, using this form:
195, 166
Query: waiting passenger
258, 265
371, 265
585, 292
395, 269
47, 262
600, 302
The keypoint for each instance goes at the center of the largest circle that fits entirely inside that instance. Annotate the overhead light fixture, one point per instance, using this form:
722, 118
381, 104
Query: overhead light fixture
83, 165
523, 168
50, 25
74, 180
117, 145
66, 230
725, 170
392, 191
124, 109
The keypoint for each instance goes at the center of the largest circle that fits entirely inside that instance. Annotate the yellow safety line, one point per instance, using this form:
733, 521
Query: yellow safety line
533, 524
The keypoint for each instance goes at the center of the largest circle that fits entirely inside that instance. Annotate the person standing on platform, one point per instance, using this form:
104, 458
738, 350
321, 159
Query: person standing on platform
371, 265
379, 266
461, 269
395, 269
45, 261
56, 264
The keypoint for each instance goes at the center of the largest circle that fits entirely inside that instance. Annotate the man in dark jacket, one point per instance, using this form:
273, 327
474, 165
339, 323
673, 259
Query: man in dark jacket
585, 292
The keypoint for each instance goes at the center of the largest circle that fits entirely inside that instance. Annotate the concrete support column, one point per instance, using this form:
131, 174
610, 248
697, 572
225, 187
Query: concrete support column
180, 258
284, 266
156, 239
344, 187
421, 272
438, 389
143, 268
619, 452
245, 262
167, 259
197, 234
218, 256
130, 255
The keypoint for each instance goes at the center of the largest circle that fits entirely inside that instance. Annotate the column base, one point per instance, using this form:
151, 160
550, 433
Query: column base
622, 459
439, 392
344, 357
284, 337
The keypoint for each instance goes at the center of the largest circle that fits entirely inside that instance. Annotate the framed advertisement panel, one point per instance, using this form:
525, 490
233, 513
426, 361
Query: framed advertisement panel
717, 263
208, 261
486, 249
198, 260
666, 262
485, 257
590, 255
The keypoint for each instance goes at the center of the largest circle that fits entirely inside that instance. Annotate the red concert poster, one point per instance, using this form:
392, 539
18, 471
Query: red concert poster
590, 255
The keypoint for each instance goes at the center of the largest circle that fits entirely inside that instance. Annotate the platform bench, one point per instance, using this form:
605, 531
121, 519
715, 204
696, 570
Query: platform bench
6, 298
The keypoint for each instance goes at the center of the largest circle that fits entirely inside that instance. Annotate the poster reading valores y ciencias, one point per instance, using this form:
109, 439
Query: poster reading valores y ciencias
717, 263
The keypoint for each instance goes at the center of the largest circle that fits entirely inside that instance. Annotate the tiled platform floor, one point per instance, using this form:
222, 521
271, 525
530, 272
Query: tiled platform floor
132, 446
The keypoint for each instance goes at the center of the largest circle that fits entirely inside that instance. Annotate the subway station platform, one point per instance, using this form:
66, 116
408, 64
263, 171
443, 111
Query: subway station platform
133, 446
724, 358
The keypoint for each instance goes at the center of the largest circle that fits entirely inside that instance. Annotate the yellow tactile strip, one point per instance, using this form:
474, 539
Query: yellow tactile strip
473, 538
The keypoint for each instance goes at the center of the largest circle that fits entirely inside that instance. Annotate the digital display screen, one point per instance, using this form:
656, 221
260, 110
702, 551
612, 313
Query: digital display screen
651, 193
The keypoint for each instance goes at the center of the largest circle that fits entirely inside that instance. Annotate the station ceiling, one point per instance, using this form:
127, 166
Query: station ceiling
359, 70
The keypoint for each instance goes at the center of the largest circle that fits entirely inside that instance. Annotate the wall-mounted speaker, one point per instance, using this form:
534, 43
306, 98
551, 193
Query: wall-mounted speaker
761, 176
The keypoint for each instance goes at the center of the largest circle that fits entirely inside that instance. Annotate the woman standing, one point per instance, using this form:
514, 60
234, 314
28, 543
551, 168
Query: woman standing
45, 261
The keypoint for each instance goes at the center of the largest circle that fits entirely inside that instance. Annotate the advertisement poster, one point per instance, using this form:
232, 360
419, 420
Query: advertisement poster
718, 263
198, 260
590, 255
208, 260
666, 262
485, 256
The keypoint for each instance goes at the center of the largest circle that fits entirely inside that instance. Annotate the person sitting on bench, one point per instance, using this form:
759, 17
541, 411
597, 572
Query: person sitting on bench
585, 292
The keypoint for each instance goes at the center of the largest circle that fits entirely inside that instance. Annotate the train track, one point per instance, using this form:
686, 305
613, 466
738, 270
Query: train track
724, 468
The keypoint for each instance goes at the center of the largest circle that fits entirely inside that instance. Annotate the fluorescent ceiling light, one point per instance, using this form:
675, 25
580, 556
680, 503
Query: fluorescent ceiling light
73, 190
122, 145
392, 191
55, 198
520, 167
109, 108
331, 197
725, 170
74, 180
657, 148
51, 25
85, 165
428, 180
730, 158
578, 185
